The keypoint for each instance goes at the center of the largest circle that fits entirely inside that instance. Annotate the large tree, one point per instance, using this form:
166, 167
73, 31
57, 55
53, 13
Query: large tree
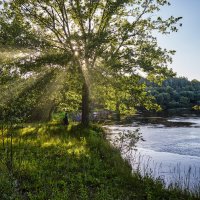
97, 36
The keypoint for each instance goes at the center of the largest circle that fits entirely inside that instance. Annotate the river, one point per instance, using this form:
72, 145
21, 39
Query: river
170, 149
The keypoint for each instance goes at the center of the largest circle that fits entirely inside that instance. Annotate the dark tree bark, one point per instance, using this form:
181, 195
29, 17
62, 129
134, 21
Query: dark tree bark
52, 109
118, 114
85, 105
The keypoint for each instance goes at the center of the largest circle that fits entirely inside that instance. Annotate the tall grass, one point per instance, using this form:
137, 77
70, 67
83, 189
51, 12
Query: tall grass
176, 178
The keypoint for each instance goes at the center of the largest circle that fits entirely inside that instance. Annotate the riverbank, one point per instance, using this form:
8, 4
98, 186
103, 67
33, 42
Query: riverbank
49, 161
169, 152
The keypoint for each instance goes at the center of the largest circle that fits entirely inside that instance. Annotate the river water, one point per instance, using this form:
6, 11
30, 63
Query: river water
170, 151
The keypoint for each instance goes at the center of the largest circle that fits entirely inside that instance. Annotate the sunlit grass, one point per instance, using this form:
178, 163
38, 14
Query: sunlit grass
54, 156
57, 162
27, 130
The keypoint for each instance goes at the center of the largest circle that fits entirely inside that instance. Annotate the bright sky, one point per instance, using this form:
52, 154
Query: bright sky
186, 41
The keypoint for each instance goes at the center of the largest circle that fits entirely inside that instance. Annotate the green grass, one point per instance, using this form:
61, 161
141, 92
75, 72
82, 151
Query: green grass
56, 162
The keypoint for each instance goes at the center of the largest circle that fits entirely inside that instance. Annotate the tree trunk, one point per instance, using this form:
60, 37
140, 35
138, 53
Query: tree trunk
118, 114
52, 109
85, 105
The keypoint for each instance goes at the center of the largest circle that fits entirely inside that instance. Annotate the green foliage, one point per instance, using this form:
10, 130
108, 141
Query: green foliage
17, 33
126, 141
91, 38
177, 93
34, 95
57, 162
122, 94
196, 107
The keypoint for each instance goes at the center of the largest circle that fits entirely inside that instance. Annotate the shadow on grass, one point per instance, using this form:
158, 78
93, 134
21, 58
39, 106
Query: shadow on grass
59, 162
74, 161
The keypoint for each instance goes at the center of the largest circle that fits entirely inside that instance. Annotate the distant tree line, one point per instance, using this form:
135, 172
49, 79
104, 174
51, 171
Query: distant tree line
177, 93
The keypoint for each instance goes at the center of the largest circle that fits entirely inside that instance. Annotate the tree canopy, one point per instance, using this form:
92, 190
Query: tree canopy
177, 93
85, 39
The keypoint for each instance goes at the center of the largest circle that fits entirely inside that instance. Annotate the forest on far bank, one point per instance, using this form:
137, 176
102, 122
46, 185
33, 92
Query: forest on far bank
177, 93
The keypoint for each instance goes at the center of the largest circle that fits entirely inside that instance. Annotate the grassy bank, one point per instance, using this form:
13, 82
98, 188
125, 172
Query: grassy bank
48, 161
